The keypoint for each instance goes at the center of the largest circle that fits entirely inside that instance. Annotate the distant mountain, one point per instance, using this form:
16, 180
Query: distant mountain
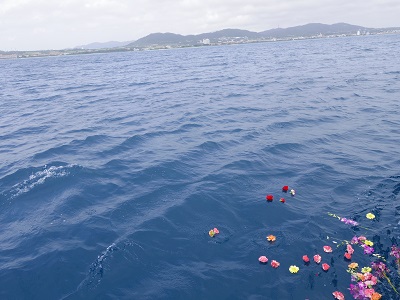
312, 29
182, 40
111, 44
228, 33
227, 36
159, 39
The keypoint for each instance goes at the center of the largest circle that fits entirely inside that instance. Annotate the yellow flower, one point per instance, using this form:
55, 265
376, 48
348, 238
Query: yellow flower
366, 270
368, 243
370, 216
211, 233
294, 269
353, 265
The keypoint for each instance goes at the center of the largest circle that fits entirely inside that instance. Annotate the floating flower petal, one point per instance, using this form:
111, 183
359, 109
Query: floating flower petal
368, 293
294, 269
292, 192
317, 258
368, 250
306, 259
361, 239
213, 232
368, 243
285, 188
271, 238
327, 249
366, 270
275, 264
354, 240
269, 198
350, 249
349, 222
353, 266
347, 255
338, 295
325, 267
263, 259
282, 200
370, 216
376, 296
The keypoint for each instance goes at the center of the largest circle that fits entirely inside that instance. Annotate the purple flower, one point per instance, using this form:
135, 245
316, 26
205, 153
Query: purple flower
358, 291
367, 249
395, 252
349, 222
354, 240
379, 268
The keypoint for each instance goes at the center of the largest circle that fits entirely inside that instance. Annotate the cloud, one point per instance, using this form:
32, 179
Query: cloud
62, 24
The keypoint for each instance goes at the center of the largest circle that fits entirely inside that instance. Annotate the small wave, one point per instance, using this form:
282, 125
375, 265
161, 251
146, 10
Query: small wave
97, 269
38, 178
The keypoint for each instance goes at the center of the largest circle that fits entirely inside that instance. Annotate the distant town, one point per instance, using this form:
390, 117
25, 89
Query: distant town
159, 41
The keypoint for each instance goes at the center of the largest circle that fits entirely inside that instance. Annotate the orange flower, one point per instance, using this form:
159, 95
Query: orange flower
359, 276
271, 238
353, 265
376, 296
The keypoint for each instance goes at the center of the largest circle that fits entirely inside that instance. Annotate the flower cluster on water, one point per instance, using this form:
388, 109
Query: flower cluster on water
365, 280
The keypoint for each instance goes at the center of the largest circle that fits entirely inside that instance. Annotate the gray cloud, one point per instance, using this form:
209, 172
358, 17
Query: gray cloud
43, 24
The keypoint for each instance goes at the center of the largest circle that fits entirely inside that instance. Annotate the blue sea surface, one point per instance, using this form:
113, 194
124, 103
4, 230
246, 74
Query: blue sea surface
114, 167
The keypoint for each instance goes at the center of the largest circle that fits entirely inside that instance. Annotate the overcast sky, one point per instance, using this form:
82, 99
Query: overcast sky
59, 24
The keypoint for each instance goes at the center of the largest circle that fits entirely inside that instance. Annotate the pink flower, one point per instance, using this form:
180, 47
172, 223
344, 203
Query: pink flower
327, 249
306, 259
263, 259
325, 267
369, 283
367, 276
275, 264
317, 258
354, 240
350, 249
216, 231
362, 238
369, 292
338, 295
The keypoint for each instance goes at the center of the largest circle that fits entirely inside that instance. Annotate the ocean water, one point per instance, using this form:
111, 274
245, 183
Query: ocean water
114, 168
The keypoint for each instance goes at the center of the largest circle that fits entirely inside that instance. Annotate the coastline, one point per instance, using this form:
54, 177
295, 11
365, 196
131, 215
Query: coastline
233, 41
